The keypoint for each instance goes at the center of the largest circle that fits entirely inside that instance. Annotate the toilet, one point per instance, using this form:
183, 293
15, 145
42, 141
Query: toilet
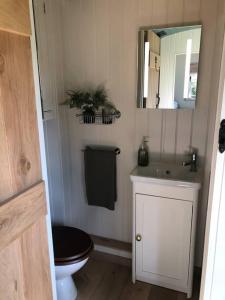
72, 248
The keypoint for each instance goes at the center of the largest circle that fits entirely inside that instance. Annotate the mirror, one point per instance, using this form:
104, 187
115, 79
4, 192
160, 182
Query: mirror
168, 60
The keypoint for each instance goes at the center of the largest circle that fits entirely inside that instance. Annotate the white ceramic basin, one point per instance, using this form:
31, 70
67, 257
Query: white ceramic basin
169, 174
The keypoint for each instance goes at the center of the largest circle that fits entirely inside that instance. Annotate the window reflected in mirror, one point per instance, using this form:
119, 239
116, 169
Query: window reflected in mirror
168, 63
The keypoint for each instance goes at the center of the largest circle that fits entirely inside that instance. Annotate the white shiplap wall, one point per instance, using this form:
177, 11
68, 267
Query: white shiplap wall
49, 40
100, 43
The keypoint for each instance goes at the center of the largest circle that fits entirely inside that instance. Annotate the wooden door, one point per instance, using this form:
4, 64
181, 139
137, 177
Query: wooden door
162, 255
24, 257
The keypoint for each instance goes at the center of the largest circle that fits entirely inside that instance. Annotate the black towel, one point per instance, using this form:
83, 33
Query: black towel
100, 176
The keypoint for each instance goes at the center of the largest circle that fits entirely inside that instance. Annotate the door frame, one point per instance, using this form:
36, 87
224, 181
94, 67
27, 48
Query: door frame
215, 213
42, 147
213, 262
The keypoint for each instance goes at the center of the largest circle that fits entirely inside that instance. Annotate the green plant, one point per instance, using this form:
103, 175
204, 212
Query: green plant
109, 108
100, 97
90, 100
93, 104
109, 112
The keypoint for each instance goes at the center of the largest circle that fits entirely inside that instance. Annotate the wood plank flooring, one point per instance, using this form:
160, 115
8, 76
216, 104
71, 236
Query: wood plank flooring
106, 279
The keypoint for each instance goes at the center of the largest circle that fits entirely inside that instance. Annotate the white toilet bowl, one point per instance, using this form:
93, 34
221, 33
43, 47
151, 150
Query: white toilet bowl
66, 288
72, 247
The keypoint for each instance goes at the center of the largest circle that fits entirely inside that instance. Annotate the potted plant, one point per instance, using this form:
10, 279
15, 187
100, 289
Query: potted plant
108, 113
88, 109
92, 101
87, 101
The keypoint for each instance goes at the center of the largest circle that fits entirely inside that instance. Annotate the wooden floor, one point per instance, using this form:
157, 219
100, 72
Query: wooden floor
102, 279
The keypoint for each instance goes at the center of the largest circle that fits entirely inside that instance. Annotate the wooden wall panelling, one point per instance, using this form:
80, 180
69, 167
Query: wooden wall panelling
49, 39
72, 18
64, 173
184, 132
169, 135
200, 116
109, 39
175, 12
191, 12
102, 41
45, 33
130, 22
218, 48
113, 54
52, 36
185, 117
159, 15
174, 129
174, 16
145, 11
200, 120
202, 127
141, 126
14, 16
116, 88
141, 116
80, 74
156, 118
89, 11
57, 23
54, 145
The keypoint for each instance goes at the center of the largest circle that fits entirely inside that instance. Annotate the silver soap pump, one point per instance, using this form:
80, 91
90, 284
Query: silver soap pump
143, 155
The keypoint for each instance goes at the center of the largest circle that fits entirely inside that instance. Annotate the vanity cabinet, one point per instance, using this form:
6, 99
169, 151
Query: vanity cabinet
164, 225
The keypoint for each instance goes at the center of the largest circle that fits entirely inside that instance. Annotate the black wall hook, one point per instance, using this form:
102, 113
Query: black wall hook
117, 151
222, 136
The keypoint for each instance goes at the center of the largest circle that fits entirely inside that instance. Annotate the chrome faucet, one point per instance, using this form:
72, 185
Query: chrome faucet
192, 162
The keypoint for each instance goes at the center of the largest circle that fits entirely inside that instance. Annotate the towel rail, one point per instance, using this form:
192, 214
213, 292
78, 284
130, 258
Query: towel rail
117, 150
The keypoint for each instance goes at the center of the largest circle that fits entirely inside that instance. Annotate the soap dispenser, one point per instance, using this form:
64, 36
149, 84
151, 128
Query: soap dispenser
143, 156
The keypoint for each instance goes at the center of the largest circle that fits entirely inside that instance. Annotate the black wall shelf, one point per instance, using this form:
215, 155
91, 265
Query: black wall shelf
98, 118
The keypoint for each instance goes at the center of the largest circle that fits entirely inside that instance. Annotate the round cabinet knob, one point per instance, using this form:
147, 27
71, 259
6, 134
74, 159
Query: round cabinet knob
138, 237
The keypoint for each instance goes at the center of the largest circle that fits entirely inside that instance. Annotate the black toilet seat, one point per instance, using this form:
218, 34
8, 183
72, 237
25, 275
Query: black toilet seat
70, 244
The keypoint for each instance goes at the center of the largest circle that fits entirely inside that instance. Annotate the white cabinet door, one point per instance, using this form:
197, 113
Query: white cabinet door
162, 255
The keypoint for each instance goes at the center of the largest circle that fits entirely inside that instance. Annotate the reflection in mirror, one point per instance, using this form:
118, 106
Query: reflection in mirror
168, 60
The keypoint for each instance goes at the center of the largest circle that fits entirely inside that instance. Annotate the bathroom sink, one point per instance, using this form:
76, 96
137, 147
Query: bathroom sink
169, 174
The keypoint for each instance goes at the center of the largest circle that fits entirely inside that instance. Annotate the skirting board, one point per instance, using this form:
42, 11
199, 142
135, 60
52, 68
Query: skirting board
112, 247
113, 251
